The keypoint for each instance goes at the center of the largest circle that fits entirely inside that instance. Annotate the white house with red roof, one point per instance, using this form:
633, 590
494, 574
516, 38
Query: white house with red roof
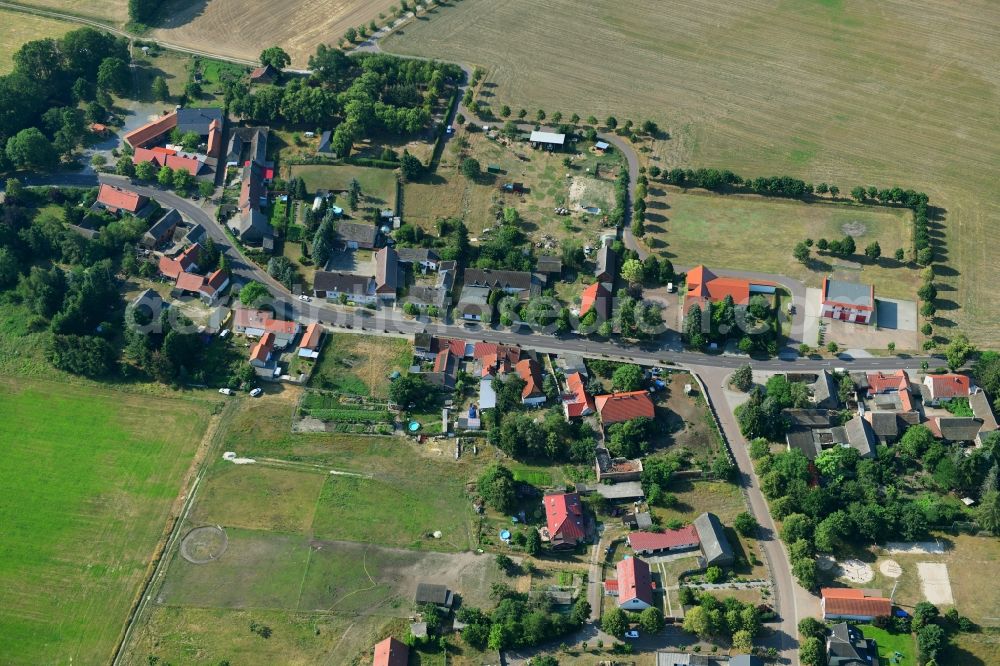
115, 200
531, 372
577, 402
185, 262
261, 352
255, 323
312, 340
938, 389
848, 301
565, 522
619, 407
634, 585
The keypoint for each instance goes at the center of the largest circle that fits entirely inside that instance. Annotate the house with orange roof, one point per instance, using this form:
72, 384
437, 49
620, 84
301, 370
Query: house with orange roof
256, 323
312, 340
116, 200
705, 287
844, 603
261, 352
185, 262
596, 297
531, 372
577, 402
214, 147
390, 652
565, 522
619, 407
152, 132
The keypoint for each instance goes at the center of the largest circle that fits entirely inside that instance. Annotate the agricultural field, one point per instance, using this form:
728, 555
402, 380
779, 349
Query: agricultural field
360, 364
826, 91
109, 11
751, 233
90, 476
16, 28
241, 30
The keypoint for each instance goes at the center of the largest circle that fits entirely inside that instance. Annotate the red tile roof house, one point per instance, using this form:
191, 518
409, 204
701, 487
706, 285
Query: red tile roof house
495, 359
704, 287
311, 341
634, 586
880, 383
115, 200
531, 373
565, 523
391, 652
576, 402
207, 288
843, 603
255, 323
653, 543
185, 262
848, 301
619, 407
151, 132
596, 297
386, 274
938, 389
260, 354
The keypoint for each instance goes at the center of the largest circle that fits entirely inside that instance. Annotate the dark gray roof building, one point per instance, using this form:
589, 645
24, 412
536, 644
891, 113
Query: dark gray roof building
162, 230
851, 293
430, 593
194, 119
714, 544
959, 428
847, 646
341, 283
509, 281
607, 264
549, 264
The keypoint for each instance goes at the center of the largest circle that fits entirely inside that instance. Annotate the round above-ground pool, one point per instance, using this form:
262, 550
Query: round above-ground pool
505, 534
413, 427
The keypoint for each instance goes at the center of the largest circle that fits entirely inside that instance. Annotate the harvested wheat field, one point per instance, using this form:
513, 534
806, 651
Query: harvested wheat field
112, 11
242, 29
883, 92
17, 28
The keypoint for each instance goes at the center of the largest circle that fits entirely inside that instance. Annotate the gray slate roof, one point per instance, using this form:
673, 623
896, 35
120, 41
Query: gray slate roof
430, 593
497, 279
851, 293
361, 233
607, 263
960, 428
847, 646
412, 255
194, 119
344, 283
169, 220
714, 544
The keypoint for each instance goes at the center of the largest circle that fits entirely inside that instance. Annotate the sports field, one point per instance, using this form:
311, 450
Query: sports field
17, 28
243, 29
881, 92
752, 233
89, 476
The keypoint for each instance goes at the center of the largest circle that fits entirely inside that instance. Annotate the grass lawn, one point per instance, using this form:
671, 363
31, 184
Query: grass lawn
757, 234
16, 28
207, 636
172, 66
360, 364
347, 504
890, 644
378, 186
90, 475
257, 497
975, 649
